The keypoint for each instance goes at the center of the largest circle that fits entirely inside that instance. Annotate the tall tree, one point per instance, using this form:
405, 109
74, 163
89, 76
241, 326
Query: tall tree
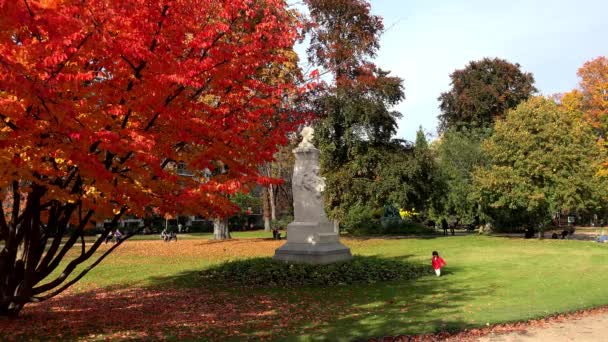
482, 92
542, 159
98, 98
354, 133
356, 123
425, 179
458, 154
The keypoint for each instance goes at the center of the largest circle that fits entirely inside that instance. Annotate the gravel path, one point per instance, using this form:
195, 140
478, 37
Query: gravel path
588, 328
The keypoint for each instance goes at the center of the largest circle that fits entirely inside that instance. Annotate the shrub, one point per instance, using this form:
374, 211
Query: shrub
282, 222
265, 272
361, 220
392, 225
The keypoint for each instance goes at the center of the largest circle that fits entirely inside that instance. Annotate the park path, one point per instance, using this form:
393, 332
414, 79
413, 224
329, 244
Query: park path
587, 328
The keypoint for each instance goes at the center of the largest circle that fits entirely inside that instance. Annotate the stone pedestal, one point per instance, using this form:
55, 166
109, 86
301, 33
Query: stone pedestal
310, 238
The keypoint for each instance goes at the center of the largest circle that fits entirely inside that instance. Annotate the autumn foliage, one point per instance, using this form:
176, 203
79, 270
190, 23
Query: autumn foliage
592, 98
99, 100
483, 92
594, 82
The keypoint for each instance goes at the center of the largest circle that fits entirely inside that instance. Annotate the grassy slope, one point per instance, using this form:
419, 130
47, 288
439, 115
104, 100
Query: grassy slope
488, 280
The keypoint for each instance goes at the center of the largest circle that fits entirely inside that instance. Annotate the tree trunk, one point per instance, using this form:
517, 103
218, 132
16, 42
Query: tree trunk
337, 226
33, 249
220, 229
273, 207
10, 310
266, 209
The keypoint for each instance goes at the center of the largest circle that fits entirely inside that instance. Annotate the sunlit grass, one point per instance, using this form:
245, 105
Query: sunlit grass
488, 280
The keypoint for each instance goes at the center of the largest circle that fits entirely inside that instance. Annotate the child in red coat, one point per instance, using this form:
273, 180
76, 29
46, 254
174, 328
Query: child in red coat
438, 263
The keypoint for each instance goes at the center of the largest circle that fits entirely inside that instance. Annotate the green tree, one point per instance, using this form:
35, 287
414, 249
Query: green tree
424, 177
542, 158
458, 154
354, 136
357, 116
356, 124
482, 92
396, 174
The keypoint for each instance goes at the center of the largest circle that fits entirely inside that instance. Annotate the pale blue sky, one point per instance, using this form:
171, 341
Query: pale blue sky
426, 40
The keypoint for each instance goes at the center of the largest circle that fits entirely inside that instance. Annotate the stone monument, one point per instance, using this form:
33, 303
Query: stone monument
310, 237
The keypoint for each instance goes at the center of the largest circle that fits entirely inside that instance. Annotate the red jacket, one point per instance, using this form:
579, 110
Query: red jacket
438, 262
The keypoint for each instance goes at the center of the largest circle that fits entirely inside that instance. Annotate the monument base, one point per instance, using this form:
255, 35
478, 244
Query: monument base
312, 243
303, 253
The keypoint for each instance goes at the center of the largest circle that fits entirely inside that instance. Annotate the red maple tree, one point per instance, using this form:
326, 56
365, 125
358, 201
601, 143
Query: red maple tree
99, 98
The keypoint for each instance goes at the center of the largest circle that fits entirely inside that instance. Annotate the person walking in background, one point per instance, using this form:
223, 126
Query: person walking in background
438, 263
444, 226
117, 236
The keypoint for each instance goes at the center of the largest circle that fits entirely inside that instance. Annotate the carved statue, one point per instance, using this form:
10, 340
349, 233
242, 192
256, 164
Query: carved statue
308, 133
311, 237
312, 182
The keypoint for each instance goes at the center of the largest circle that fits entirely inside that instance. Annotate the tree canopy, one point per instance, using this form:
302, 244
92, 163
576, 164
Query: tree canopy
594, 85
592, 98
99, 99
482, 92
458, 154
343, 34
356, 123
542, 158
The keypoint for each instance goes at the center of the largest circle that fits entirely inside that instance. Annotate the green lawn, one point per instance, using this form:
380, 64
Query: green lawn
488, 280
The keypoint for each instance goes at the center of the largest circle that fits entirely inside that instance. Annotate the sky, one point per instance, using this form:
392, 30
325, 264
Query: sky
425, 41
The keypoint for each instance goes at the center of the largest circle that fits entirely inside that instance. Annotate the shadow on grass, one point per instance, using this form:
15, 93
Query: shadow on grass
263, 272
427, 305
183, 307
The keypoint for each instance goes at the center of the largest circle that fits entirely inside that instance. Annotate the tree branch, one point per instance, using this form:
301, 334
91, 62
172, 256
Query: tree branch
55, 220
63, 63
77, 261
7, 122
16, 204
86, 270
126, 119
168, 101
3, 224
31, 231
66, 247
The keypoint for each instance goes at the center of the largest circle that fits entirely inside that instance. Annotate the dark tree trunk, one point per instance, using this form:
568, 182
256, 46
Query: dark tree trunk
10, 310
32, 248
220, 229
